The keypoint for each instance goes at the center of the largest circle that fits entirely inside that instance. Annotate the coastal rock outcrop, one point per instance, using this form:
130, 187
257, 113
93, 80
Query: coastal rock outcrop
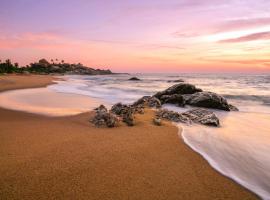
187, 94
207, 100
126, 112
104, 118
150, 101
198, 115
172, 116
180, 88
174, 99
203, 116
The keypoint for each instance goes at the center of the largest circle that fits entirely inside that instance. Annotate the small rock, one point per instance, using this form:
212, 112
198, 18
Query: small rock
104, 118
157, 121
134, 79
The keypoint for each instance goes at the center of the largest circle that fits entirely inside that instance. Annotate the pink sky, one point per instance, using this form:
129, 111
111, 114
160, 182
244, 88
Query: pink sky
140, 36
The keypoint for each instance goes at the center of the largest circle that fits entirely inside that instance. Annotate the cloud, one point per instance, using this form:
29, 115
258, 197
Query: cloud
247, 38
264, 62
239, 24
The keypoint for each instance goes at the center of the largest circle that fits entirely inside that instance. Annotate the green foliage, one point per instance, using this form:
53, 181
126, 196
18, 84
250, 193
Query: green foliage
8, 67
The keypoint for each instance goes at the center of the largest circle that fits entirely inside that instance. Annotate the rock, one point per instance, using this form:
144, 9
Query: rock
150, 101
203, 116
157, 121
174, 99
233, 108
128, 118
119, 108
176, 81
104, 118
134, 79
172, 116
180, 88
126, 112
208, 100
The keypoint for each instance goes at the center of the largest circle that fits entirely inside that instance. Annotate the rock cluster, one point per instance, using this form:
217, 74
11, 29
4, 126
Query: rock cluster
126, 112
203, 116
149, 101
104, 118
187, 94
172, 116
198, 115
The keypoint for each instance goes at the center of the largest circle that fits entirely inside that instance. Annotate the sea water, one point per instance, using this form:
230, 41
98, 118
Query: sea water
238, 149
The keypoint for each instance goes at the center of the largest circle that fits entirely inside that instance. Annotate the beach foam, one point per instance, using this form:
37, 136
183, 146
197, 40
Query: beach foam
235, 149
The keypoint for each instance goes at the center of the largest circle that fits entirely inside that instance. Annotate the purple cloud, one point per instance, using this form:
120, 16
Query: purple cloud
247, 38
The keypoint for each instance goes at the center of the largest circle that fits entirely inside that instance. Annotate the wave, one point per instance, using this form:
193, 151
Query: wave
262, 98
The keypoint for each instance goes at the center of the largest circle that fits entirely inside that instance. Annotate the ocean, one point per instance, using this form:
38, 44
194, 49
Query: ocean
239, 148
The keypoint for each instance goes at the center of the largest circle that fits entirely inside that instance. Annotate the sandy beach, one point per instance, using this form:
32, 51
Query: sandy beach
68, 158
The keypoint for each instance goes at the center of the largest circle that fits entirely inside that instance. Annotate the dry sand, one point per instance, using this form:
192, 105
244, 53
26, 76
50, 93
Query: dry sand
67, 158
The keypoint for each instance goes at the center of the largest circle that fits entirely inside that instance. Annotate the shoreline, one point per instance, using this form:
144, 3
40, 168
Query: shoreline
67, 157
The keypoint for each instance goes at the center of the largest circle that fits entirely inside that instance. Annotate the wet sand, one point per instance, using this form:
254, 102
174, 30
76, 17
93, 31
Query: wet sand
67, 158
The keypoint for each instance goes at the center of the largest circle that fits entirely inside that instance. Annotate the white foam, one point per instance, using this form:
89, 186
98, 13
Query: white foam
235, 150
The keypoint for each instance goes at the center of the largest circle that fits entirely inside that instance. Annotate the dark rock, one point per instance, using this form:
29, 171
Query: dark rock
233, 108
157, 121
208, 100
126, 112
172, 116
174, 99
119, 108
148, 101
181, 88
134, 79
176, 81
104, 118
203, 116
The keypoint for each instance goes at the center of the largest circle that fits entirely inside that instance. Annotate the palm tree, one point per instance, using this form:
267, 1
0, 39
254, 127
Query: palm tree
63, 61
52, 60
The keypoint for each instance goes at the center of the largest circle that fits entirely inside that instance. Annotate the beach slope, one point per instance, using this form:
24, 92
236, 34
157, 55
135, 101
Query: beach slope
67, 158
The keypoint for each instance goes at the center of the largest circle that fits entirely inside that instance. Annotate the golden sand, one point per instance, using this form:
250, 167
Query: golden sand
67, 158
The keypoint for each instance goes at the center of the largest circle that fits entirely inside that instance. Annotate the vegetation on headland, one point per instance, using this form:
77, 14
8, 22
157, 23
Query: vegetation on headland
53, 67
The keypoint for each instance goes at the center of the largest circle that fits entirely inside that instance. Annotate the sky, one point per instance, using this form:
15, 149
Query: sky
140, 35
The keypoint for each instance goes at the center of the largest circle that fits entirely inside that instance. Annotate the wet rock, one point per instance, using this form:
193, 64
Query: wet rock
134, 79
104, 118
208, 100
181, 88
174, 99
157, 121
233, 108
150, 101
203, 116
172, 116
